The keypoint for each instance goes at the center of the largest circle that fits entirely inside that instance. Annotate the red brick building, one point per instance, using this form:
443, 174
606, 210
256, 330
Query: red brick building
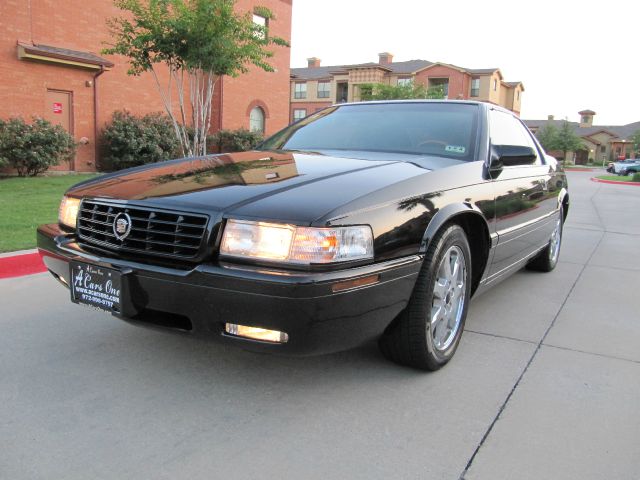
51, 67
316, 87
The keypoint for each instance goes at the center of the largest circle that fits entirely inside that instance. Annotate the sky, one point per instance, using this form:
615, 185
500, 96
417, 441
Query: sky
570, 55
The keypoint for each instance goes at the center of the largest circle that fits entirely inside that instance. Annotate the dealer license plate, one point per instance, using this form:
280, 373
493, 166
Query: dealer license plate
96, 286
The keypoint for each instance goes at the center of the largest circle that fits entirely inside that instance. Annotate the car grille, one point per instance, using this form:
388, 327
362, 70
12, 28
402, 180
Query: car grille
153, 232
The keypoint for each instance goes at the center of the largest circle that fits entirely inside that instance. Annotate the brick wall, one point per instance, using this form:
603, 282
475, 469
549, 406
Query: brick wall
268, 90
459, 82
81, 25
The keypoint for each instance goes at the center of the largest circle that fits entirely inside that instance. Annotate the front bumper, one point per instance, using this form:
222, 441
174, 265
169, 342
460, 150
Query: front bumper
200, 300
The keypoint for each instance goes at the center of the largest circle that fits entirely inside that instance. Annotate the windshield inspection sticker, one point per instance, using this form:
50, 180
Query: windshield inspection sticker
455, 149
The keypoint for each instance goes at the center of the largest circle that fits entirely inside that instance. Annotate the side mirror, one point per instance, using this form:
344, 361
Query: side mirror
509, 156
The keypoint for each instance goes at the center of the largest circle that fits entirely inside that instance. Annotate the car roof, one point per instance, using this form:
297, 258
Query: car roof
410, 100
483, 105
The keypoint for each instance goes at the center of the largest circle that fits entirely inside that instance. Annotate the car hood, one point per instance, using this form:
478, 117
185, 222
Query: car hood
292, 186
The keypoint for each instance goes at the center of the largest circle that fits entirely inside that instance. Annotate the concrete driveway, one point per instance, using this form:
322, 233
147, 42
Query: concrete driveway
546, 384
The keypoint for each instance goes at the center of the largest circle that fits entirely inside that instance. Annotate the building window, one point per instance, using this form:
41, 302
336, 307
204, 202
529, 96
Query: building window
440, 83
262, 22
299, 114
517, 94
495, 85
324, 89
584, 119
404, 82
256, 120
603, 148
300, 90
475, 87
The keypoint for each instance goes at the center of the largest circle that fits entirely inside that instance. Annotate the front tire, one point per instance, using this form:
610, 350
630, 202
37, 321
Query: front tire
427, 333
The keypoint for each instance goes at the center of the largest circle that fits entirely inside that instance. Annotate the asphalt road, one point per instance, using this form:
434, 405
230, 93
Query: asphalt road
545, 384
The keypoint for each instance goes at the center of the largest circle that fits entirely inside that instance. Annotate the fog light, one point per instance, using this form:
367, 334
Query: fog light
256, 333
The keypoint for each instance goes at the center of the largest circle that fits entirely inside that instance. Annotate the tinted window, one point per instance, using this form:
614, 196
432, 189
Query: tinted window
442, 129
507, 130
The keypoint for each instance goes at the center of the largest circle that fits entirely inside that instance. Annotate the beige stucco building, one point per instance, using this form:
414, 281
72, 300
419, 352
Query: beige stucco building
602, 143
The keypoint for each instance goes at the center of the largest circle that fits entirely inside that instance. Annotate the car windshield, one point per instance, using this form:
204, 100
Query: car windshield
442, 129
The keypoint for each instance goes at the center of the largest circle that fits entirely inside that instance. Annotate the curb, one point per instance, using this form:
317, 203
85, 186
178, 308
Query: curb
19, 264
18, 252
614, 182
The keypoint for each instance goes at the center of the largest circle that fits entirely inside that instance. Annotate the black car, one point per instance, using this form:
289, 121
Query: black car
366, 221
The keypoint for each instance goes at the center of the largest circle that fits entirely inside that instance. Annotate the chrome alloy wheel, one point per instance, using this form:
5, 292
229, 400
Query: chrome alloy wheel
449, 293
556, 239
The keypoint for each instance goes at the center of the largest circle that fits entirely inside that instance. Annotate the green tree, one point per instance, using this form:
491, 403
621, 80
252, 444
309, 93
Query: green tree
436, 93
548, 137
635, 140
198, 41
567, 140
381, 91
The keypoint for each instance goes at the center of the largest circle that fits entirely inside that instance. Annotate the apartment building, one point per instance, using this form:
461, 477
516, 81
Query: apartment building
51, 67
316, 87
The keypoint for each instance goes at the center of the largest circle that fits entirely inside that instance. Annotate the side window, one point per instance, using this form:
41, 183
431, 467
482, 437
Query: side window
507, 130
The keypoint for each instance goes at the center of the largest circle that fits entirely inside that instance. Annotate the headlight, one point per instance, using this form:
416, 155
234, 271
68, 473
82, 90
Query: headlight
296, 245
69, 211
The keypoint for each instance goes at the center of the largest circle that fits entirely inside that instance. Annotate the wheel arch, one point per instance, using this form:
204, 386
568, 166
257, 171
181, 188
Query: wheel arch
563, 200
475, 227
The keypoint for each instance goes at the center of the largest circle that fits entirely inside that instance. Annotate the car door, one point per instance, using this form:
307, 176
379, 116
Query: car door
525, 200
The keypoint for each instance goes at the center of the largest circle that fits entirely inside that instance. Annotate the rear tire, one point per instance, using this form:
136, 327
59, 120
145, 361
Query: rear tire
547, 259
427, 333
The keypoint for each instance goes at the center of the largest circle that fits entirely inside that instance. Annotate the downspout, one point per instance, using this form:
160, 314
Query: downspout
30, 22
95, 116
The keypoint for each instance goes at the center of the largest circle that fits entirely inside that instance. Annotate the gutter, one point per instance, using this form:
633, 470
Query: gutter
95, 116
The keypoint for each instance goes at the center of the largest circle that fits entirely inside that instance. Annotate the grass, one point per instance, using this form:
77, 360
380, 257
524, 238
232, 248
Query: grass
587, 165
617, 178
26, 203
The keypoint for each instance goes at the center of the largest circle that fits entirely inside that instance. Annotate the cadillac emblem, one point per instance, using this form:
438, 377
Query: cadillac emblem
122, 226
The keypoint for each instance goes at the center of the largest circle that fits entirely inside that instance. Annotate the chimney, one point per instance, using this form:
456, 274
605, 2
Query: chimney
385, 58
313, 62
550, 117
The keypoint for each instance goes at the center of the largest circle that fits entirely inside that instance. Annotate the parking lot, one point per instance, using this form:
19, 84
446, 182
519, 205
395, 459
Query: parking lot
545, 384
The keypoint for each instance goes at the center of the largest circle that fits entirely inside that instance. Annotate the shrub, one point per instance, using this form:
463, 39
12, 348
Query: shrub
130, 141
636, 177
33, 148
239, 140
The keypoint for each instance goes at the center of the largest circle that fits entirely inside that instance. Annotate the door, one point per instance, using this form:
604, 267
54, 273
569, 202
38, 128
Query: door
525, 199
342, 92
582, 157
59, 111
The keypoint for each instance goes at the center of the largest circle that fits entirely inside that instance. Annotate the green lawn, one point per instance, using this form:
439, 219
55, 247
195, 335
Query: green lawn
617, 178
26, 203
